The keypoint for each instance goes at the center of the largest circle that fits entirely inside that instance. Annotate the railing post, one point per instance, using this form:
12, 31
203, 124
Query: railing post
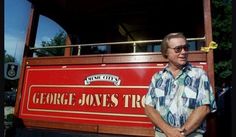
134, 47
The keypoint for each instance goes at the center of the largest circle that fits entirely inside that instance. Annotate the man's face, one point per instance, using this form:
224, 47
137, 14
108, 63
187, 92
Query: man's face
177, 51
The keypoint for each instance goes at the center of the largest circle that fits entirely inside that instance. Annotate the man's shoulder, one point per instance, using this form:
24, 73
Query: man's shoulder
160, 73
195, 71
196, 68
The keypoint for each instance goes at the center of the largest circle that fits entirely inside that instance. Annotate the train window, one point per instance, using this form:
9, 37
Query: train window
49, 33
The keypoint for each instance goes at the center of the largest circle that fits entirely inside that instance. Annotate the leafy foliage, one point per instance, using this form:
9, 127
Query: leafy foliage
9, 58
58, 40
222, 34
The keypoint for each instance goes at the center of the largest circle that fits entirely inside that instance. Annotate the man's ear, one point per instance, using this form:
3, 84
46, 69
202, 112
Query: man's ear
166, 54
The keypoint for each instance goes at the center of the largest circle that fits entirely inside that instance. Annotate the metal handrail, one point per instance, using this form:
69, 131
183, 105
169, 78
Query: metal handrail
111, 43
134, 44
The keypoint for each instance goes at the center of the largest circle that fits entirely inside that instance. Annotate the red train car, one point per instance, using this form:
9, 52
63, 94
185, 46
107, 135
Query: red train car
112, 49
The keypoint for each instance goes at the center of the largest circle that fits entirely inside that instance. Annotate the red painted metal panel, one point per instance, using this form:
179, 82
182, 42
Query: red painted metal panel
90, 94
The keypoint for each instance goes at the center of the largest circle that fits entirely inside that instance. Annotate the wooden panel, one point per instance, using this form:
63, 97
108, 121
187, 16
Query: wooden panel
197, 56
64, 60
133, 58
194, 56
134, 131
58, 125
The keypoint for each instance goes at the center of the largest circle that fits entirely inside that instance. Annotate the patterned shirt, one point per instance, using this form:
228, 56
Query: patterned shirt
176, 98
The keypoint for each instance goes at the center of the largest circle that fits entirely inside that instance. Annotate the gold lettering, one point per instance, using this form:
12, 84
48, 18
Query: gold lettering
102, 100
51, 98
57, 98
135, 101
105, 99
143, 99
81, 101
114, 99
72, 99
126, 99
36, 98
54, 98
89, 100
98, 99
42, 95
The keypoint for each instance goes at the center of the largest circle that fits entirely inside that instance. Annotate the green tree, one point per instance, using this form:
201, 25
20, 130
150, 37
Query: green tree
9, 58
222, 34
58, 40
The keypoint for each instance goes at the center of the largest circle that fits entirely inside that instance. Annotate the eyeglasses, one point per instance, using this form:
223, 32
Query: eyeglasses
178, 49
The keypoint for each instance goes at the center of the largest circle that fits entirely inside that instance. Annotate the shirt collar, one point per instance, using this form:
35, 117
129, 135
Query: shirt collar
186, 67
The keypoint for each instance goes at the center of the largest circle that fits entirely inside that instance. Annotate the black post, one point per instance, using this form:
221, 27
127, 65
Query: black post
1, 68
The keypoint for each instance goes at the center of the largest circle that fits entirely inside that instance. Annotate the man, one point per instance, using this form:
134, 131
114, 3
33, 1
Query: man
180, 96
